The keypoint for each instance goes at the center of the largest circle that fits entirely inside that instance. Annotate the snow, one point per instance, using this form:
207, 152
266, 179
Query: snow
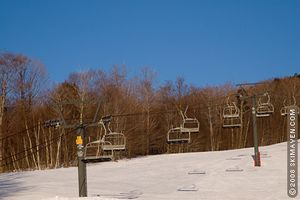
190, 176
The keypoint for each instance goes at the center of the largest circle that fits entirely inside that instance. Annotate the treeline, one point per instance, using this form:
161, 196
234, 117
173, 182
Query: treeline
143, 112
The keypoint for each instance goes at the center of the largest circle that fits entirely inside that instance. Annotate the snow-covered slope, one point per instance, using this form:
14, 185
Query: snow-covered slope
190, 176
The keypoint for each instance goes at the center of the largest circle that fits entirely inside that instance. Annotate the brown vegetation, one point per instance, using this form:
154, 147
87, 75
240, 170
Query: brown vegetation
141, 111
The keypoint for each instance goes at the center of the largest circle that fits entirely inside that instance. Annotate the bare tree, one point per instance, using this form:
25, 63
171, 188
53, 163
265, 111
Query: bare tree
6, 76
147, 97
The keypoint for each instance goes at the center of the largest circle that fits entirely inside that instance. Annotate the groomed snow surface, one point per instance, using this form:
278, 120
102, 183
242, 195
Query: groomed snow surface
189, 176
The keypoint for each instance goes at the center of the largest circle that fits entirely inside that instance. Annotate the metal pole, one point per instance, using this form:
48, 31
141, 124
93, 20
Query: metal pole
255, 138
82, 180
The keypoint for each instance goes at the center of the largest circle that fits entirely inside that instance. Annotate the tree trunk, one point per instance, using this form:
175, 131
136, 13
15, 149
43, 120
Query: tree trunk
37, 142
211, 130
66, 153
2, 104
14, 158
47, 149
57, 163
30, 145
240, 138
51, 148
246, 134
148, 132
26, 153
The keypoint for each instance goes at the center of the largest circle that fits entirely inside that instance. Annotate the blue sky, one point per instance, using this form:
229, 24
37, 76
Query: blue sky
208, 42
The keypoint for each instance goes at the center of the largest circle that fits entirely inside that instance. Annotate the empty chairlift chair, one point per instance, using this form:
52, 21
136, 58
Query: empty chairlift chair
284, 110
103, 149
116, 141
190, 125
182, 134
231, 116
94, 152
264, 109
176, 136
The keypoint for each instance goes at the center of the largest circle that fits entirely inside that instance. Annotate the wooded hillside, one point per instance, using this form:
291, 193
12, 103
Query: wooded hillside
143, 112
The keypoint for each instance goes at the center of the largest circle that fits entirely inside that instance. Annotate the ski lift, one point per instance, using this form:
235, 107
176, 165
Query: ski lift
190, 125
231, 115
95, 152
182, 134
103, 150
264, 109
284, 110
116, 141
176, 136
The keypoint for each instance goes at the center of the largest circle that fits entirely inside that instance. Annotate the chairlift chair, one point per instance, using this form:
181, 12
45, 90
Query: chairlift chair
176, 136
103, 149
231, 116
284, 110
264, 109
116, 141
95, 152
190, 125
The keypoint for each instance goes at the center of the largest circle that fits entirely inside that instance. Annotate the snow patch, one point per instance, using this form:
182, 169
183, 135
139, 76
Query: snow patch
81, 198
161, 177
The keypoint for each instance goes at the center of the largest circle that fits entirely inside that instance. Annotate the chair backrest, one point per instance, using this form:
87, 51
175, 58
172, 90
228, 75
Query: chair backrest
95, 148
231, 115
175, 135
231, 111
264, 109
284, 109
117, 141
189, 124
